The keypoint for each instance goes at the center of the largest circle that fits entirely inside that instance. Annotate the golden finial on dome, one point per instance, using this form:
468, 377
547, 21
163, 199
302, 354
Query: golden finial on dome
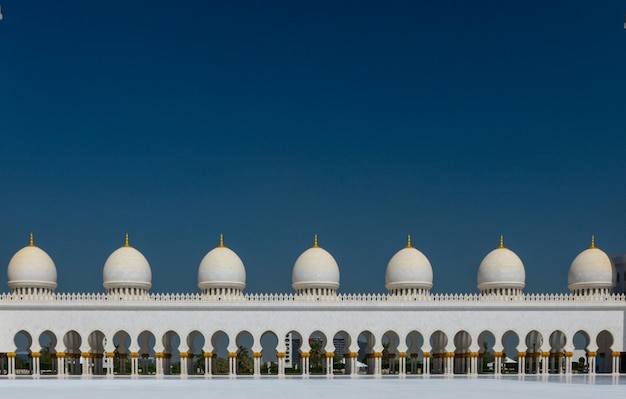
32, 240
408, 241
126, 244
593, 242
221, 240
501, 241
315, 241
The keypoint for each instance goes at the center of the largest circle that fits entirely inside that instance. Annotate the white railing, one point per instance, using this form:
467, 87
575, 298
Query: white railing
186, 298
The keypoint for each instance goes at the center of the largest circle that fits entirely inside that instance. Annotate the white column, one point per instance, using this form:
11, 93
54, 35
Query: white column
426, 366
402, 364
183, 364
591, 360
256, 360
232, 364
329, 365
11, 364
36, 364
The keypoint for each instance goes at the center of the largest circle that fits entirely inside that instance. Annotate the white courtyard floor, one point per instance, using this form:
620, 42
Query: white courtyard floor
316, 387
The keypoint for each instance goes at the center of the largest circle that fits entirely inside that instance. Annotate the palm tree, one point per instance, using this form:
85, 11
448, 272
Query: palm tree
244, 361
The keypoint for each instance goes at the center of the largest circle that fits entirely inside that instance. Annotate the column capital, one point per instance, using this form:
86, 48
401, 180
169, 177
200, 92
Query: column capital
35, 355
110, 354
545, 354
232, 355
86, 355
521, 354
257, 355
305, 355
10, 354
281, 355
426, 354
402, 354
592, 354
329, 355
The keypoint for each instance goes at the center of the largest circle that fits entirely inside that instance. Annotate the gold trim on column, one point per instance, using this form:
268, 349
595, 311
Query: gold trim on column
35, 355
257, 355
61, 355
497, 354
11, 354
521, 354
281, 354
305, 355
569, 354
402, 354
329, 355
449, 354
110, 354
208, 355
159, 355
545, 354
473, 354
616, 354
85, 355
134, 355
184, 355
426, 354
232, 355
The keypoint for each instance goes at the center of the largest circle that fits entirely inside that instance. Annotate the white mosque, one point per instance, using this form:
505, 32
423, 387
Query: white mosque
408, 331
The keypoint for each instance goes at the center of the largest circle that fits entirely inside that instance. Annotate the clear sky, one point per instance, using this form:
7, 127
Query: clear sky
272, 121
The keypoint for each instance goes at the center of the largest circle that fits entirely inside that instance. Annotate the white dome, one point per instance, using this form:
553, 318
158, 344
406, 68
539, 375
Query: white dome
408, 269
221, 268
591, 269
315, 268
501, 269
127, 268
31, 267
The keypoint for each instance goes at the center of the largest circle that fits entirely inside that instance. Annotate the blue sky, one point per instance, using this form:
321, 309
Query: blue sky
273, 121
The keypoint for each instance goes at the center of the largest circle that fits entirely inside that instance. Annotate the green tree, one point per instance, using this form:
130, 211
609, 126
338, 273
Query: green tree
316, 354
244, 361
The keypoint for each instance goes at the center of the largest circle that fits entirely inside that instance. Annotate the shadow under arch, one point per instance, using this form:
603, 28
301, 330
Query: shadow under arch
121, 354
367, 355
171, 353
580, 360
341, 362
95, 362
269, 352
146, 341
556, 359
510, 356
486, 354
48, 353
438, 343
72, 341
604, 357
534, 343
415, 341
390, 341
462, 362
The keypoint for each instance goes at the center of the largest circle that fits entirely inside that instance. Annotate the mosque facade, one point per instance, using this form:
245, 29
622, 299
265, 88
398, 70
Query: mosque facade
407, 331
